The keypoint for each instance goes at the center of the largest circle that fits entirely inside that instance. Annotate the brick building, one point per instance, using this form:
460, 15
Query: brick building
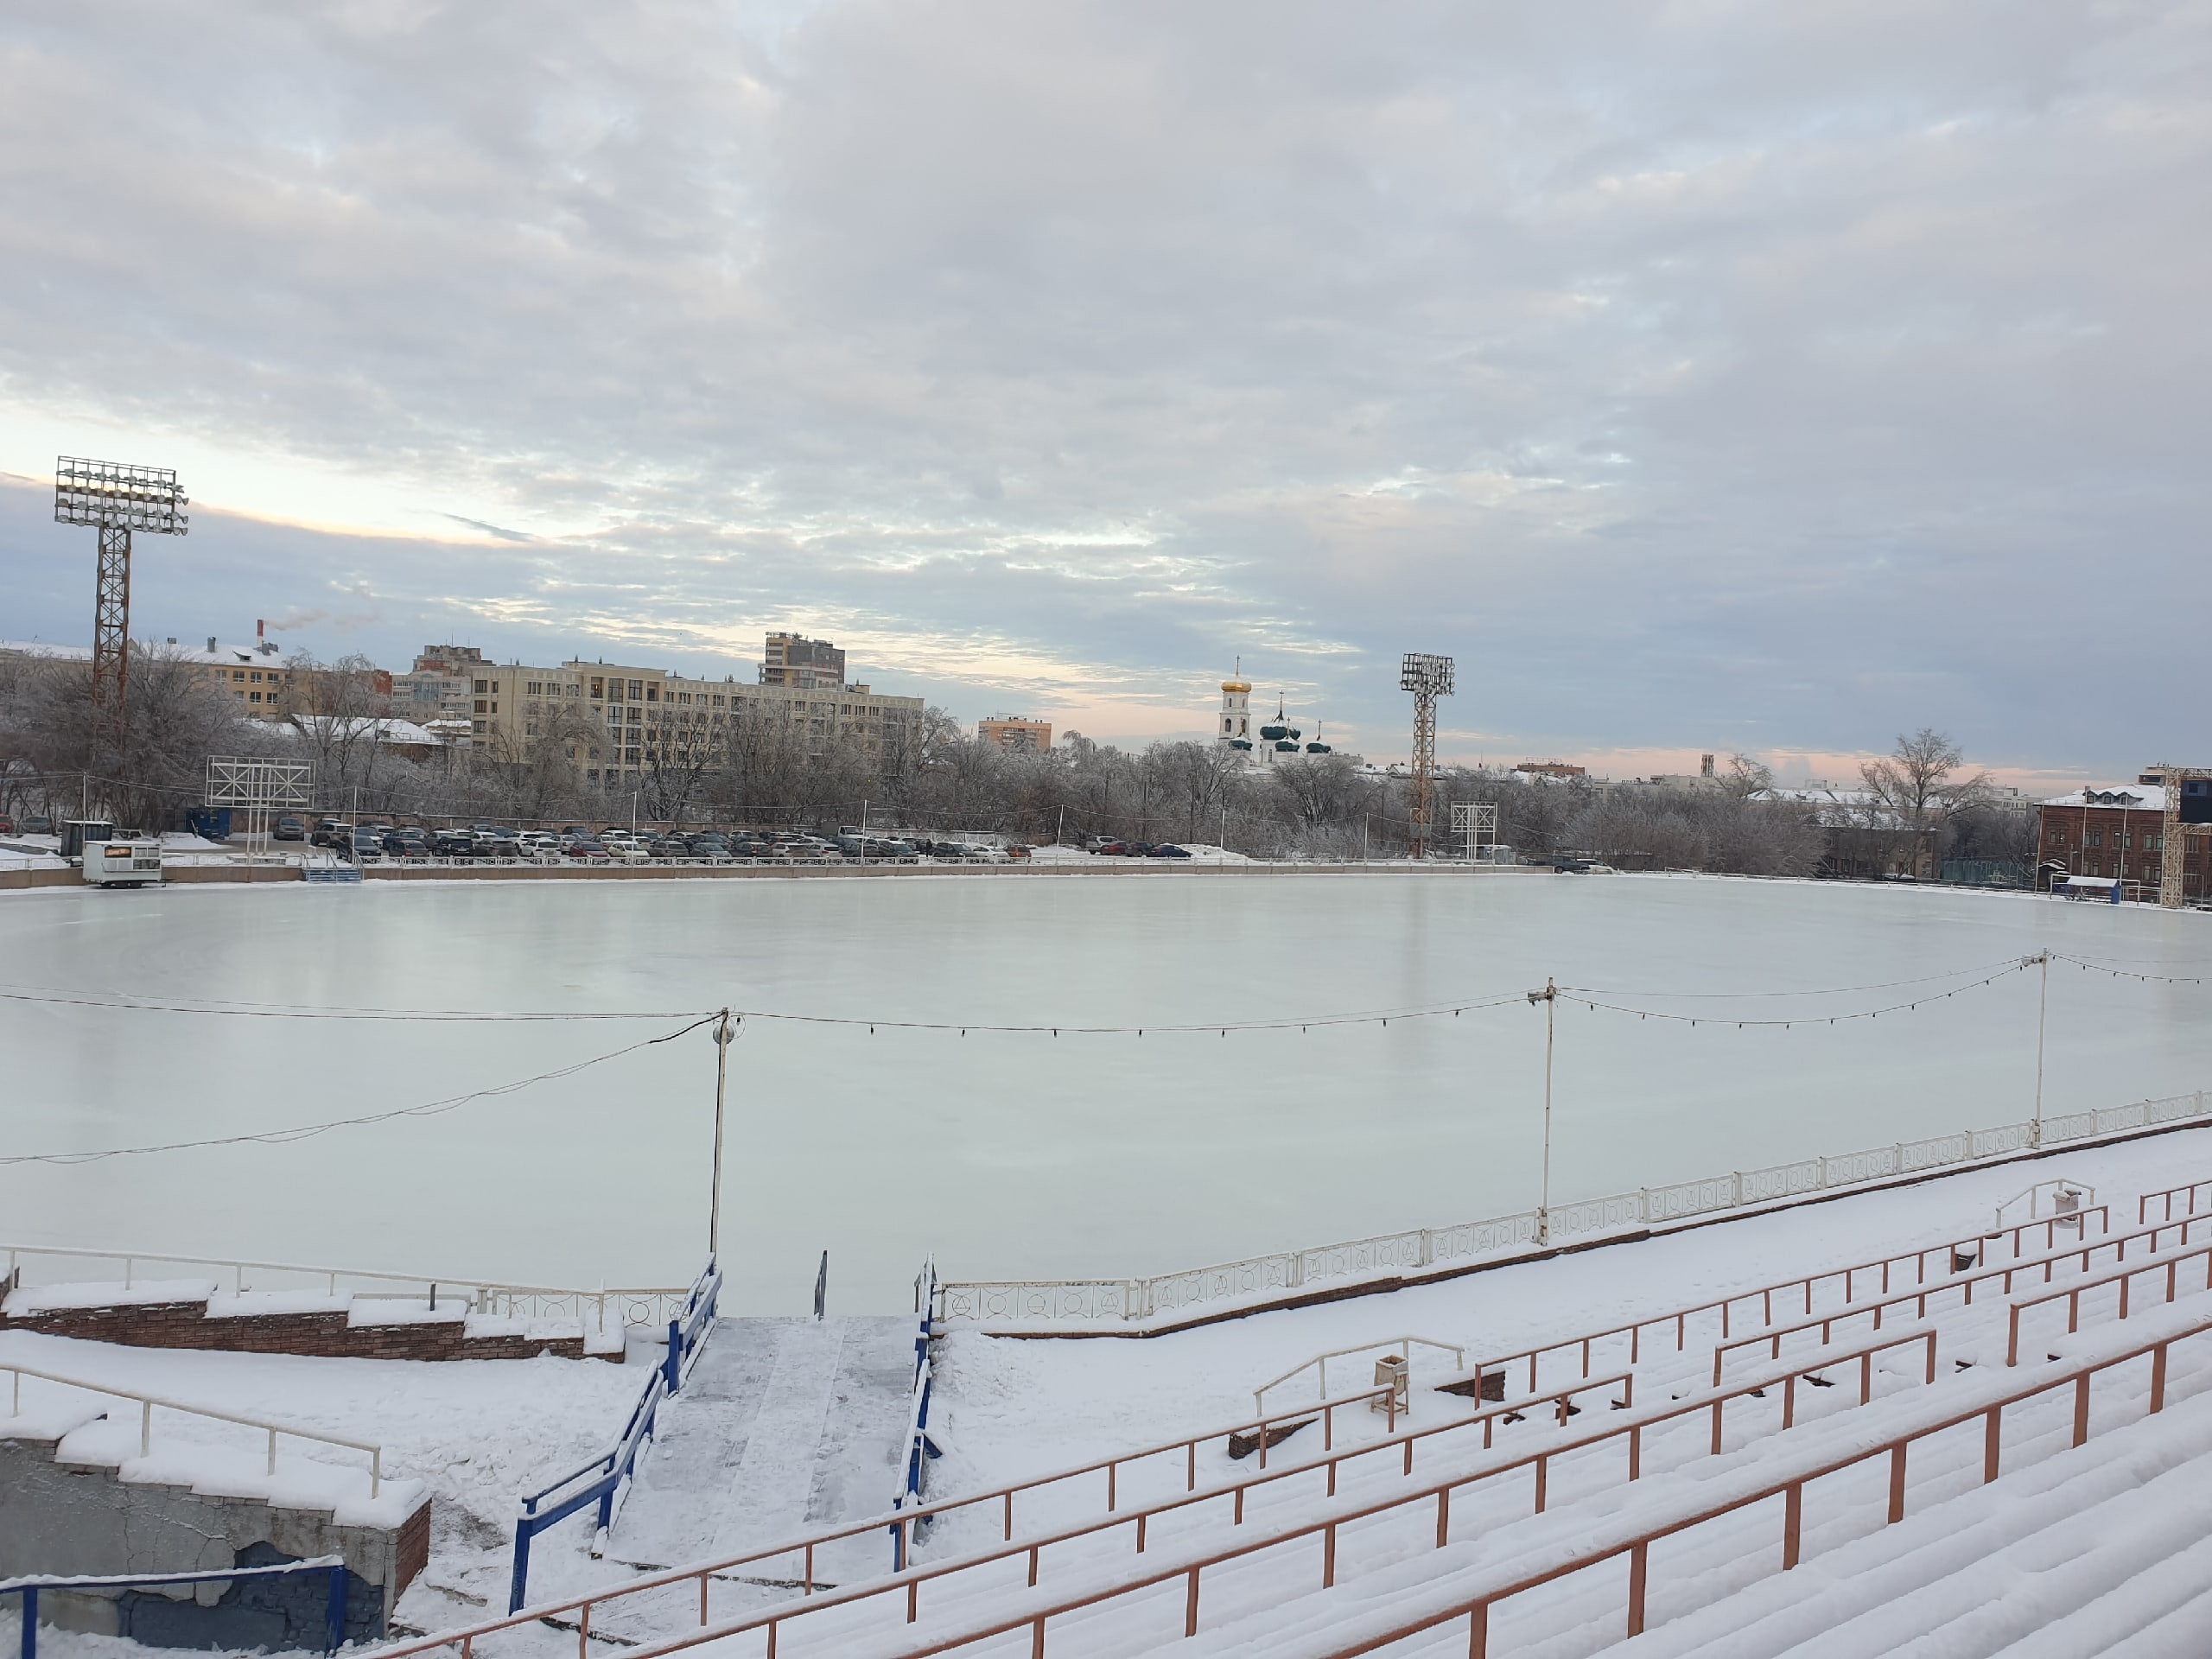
1016, 732
2117, 831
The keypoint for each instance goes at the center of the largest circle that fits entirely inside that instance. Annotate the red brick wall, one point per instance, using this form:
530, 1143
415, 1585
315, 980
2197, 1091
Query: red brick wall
186, 1324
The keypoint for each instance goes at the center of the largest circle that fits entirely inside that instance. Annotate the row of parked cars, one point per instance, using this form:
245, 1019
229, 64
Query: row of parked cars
1108, 847
375, 842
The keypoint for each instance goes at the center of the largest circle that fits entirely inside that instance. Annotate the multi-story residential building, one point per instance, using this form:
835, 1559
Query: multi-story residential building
442, 686
617, 722
804, 665
253, 676
2113, 831
1016, 731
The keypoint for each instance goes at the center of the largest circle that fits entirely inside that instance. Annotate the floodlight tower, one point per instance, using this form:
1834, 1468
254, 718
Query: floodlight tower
116, 499
1429, 677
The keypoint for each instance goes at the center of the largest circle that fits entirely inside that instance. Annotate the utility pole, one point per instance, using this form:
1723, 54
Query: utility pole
723, 1038
1549, 997
1060, 828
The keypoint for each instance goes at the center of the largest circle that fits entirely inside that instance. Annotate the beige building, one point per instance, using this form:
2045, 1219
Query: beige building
792, 659
1016, 731
616, 721
254, 678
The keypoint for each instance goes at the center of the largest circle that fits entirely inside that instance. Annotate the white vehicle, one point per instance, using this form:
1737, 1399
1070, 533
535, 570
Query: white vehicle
123, 864
620, 850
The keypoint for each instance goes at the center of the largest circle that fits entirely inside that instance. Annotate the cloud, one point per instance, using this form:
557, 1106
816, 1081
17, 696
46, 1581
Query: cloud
1723, 378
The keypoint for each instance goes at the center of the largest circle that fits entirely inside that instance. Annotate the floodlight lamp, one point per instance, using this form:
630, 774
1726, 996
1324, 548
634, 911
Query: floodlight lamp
115, 495
1424, 672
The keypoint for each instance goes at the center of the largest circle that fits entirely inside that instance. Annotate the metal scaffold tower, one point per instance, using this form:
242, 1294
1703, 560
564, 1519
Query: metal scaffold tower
2189, 812
116, 499
1429, 677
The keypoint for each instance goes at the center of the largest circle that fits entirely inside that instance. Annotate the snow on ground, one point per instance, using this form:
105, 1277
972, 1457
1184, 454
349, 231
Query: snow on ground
480, 1432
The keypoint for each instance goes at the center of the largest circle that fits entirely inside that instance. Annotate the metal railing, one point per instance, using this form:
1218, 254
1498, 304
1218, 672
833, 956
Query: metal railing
650, 1308
604, 1480
2191, 1193
1970, 1251
919, 1447
1962, 1282
1609, 1539
1319, 1364
1388, 1255
147, 1402
2123, 1277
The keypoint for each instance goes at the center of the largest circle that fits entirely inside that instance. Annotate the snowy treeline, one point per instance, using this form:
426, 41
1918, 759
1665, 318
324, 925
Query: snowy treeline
771, 773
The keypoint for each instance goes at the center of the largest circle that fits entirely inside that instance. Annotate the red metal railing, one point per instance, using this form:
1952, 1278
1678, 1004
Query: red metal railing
1595, 1552
2166, 1196
1964, 1283
2122, 1276
1805, 1286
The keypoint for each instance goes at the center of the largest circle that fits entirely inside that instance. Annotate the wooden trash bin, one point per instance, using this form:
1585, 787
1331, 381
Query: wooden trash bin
1395, 1377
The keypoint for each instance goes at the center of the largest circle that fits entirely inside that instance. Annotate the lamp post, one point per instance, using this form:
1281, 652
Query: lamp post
724, 1036
2043, 1007
1549, 997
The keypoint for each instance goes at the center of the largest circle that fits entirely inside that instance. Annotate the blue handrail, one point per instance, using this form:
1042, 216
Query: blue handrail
919, 1446
604, 1480
333, 1617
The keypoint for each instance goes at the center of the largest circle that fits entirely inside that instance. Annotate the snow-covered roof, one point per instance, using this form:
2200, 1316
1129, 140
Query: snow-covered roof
2146, 797
388, 729
222, 657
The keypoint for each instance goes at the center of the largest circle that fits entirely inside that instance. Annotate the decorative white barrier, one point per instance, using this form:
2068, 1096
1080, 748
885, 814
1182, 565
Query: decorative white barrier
1264, 1278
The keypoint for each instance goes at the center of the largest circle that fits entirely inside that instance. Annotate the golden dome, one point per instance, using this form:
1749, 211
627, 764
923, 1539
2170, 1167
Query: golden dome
1243, 686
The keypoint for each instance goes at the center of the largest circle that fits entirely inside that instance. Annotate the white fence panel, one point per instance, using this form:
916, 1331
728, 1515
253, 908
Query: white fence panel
1394, 1253
1690, 1197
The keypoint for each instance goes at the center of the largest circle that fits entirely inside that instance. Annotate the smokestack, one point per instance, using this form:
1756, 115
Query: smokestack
260, 629
211, 644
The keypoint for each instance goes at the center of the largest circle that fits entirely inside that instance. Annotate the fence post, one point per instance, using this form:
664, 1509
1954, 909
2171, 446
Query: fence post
1897, 1159
672, 1367
30, 1624
1735, 1189
1643, 1204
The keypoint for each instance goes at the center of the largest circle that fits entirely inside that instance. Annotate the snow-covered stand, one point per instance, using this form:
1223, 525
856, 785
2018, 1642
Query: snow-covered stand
1627, 1485
605, 1481
331, 1569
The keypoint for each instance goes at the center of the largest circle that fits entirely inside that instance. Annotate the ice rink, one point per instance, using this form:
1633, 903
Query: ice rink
1008, 1155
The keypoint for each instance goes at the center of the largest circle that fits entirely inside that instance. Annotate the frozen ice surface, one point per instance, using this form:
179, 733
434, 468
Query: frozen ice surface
1010, 1156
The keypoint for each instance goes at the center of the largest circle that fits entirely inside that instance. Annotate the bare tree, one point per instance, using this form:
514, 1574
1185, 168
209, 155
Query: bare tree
1917, 782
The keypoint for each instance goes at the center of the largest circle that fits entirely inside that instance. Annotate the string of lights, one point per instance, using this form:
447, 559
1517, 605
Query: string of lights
1565, 995
306, 1131
307, 1011
2089, 966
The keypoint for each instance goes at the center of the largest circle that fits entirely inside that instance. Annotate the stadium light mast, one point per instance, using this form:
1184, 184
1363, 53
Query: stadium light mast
1429, 677
116, 499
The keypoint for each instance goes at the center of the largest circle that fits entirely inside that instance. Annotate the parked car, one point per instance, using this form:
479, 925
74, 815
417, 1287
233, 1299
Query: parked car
1111, 848
1170, 850
457, 844
37, 824
289, 827
7, 825
330, 832
367, 849
627, 851
587, 852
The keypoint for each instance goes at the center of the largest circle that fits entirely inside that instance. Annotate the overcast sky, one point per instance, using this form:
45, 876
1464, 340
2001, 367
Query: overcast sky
1702, 376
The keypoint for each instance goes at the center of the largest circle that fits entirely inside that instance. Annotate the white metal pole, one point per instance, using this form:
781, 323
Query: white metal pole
1549, 997
722, 1036
2043, 1007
